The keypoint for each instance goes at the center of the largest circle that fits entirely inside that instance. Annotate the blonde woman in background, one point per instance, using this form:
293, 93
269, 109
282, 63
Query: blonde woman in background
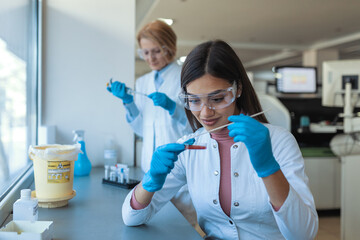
159, 117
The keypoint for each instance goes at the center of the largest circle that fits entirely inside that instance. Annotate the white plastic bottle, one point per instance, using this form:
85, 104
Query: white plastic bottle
110, 152
25, 208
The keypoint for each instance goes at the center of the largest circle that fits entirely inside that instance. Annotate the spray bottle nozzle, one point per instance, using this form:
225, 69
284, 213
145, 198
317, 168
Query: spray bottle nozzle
78, 135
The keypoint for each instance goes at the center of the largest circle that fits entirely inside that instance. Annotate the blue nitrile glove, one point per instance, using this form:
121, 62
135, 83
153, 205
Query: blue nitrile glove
161, 164
160, 99
118, 89
256, 138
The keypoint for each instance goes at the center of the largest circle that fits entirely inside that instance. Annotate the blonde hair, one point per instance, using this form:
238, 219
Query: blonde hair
162, 34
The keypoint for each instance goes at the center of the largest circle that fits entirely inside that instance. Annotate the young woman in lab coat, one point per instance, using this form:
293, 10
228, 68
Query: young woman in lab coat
250, 182
159, 117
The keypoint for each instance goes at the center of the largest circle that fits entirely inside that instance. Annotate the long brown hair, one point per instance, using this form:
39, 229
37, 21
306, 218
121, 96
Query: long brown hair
218, 59
162, 34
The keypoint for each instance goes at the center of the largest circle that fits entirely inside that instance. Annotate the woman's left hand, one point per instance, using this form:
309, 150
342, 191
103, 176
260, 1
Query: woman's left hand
256, 138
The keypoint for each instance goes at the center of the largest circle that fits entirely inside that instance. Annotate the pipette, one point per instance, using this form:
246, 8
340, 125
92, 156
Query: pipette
128, 90
193, 135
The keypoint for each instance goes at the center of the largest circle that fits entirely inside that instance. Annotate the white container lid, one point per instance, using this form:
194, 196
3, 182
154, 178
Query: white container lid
25, 193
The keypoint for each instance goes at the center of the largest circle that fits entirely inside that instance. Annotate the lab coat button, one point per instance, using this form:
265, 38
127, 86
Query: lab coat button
236, 204
215, 201
235, 146
231, 222
216, 172
214, 146
236, 174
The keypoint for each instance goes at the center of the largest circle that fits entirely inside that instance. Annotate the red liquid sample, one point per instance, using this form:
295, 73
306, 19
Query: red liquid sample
196, 147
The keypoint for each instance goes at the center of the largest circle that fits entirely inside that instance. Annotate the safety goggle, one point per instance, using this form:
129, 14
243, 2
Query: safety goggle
215, 100
154, 52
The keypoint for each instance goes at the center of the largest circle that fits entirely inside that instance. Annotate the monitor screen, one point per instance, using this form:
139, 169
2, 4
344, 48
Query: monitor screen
295, 79
335, 75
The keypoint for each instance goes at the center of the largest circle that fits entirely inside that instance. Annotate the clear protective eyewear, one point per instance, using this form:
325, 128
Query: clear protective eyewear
154, 52
216, 100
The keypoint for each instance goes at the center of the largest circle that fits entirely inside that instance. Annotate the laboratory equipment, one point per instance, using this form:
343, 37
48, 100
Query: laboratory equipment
345, 145
335, 75
25, 208
121, 179
304, 124
341, 89
54, 173
128, 90
118, 175
304, 121
279, 114
292, 79
110, 152
113, 176
107, 171
194, 135
127, 176
131, 91
82, 165
196, 147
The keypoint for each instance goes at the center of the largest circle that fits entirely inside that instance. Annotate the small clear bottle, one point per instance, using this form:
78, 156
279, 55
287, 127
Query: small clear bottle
110, 152
25, 208
107, 172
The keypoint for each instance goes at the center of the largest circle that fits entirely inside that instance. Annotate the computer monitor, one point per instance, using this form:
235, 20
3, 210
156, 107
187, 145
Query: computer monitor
335, 75
291, 79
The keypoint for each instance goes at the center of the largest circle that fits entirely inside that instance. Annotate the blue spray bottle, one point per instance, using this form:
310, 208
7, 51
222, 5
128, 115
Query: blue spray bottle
82, 166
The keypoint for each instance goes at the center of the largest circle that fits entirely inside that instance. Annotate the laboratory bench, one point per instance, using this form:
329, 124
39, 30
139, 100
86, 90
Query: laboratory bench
95, 213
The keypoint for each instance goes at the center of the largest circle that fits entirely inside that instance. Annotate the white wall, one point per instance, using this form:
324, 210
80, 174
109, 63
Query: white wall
85, 42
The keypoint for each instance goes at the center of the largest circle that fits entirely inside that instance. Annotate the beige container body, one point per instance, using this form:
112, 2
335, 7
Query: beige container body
54, 170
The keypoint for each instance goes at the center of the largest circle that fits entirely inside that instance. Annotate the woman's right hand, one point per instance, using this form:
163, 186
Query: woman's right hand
119, 89
162, 162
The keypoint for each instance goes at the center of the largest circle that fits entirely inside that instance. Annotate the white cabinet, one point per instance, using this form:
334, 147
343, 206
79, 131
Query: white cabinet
350, 197
324, 181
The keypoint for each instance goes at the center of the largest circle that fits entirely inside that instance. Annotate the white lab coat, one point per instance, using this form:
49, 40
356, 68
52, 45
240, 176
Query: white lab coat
252, 216
154, 124
157, 127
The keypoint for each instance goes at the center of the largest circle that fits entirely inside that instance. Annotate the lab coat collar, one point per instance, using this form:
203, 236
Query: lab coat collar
163, 70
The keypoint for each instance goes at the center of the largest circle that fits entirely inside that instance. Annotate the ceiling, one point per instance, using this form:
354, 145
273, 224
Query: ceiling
263, 33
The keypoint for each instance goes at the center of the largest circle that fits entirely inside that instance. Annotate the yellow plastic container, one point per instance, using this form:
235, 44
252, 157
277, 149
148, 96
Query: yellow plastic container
54, 173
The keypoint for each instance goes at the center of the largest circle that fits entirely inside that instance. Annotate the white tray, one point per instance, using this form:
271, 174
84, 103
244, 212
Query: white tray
27, 230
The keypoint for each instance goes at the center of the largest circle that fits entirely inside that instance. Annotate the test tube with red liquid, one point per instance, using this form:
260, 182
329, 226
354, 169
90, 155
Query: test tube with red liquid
195, 147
